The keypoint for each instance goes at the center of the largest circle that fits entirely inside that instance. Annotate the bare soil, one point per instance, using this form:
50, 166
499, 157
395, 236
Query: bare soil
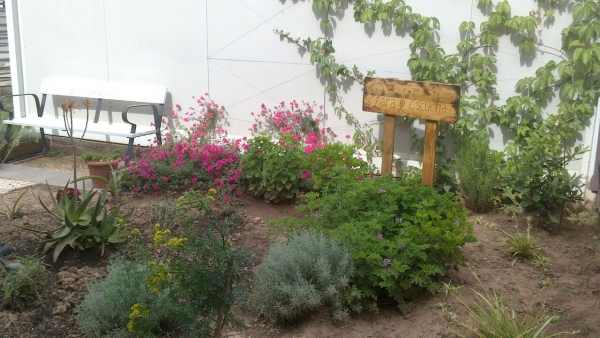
569, 286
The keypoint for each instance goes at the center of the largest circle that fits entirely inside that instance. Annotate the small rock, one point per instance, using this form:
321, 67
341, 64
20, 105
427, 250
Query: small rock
257, 220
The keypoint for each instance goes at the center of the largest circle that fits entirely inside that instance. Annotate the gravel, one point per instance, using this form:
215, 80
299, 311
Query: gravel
7, 185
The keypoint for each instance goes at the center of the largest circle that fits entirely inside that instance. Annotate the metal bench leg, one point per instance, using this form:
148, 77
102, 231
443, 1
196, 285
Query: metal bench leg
129, 150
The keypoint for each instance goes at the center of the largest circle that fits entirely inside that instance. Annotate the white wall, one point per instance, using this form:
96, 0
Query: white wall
228, 48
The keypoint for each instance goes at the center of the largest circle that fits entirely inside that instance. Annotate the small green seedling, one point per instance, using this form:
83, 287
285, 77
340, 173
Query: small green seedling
16, 210
450, 290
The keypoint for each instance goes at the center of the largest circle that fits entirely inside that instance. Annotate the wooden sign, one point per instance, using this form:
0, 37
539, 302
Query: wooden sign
425, 100
431, 101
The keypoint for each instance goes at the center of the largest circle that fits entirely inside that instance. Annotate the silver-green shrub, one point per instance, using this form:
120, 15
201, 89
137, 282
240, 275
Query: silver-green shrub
298, 277
107, 305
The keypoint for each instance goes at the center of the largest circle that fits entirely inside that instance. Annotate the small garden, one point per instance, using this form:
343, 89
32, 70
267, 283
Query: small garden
291, 231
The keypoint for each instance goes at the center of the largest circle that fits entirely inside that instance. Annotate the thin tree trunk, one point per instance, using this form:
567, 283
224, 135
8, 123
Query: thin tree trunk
221, 316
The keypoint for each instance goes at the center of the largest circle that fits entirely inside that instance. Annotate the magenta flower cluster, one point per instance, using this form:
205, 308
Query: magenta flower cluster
298, 121
192, 158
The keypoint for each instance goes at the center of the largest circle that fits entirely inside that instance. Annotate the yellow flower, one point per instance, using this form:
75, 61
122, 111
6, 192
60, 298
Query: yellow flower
156, 226
181, 198
136, 311
212, 190
136, 231
210, 198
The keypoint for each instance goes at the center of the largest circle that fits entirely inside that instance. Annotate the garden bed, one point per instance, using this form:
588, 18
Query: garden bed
571, 280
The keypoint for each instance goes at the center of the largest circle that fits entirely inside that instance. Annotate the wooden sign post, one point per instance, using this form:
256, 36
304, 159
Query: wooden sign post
433, 102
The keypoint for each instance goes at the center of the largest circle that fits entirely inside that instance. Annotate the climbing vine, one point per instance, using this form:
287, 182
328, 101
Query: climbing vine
538, 127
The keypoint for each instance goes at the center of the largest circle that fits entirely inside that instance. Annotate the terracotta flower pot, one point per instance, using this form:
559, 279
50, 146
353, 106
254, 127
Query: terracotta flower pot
101, 169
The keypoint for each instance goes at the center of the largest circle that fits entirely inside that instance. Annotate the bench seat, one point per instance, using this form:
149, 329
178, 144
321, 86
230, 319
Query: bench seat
100, 128
143, 97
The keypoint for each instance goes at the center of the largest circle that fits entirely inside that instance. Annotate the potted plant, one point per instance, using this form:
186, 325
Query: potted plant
101, 165
24, 141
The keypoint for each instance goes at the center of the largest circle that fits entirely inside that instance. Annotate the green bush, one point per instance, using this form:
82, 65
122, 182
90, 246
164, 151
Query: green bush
273, 170
332, 162
535, 174
107, 306
402, 235
23, 285
209, 284
298, 277
477, 168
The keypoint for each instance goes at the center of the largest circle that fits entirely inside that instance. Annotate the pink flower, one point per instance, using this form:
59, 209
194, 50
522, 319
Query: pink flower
165, 178
306, 174
194, 180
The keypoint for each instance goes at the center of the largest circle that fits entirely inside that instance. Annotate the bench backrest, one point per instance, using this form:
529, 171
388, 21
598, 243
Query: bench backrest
96, 89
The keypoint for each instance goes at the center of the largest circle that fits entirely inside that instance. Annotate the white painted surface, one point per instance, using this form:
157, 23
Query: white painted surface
228, 48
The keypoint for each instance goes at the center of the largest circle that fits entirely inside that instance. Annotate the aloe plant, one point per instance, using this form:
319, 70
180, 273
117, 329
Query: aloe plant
84, 223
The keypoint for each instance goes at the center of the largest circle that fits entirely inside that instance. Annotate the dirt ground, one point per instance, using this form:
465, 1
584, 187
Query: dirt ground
569, 283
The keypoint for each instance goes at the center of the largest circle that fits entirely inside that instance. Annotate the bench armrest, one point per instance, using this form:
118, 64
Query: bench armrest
11, 114
154, 110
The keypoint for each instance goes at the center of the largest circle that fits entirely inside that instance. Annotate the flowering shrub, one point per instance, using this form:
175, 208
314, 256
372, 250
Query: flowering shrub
300, 121
290, 155
402, 235
192, 158
204, 124
184, 288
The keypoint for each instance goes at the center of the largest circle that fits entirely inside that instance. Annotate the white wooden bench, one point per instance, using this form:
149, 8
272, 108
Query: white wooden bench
143, 95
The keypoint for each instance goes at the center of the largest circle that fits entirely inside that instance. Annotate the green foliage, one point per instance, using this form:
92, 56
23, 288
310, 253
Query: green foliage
107, 305
23, 285
182, 285
522, 246
477, 168
450, 290
402, 235
14, 211
542, 130
119, 179
90, 156
538, 176
412, 174
330, 163
298, 277
193, 203
84, 223
272, 170
206, 278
